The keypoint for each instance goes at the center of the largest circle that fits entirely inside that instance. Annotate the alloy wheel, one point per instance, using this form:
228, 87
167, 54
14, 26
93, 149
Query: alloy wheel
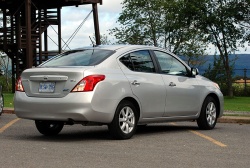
211, 113
126, 120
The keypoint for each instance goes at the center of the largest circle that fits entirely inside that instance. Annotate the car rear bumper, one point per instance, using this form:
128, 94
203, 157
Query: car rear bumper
78, 107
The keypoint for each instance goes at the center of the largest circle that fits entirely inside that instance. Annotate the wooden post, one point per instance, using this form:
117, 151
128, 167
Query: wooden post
40, 36
29, 51
59, 31
96, 24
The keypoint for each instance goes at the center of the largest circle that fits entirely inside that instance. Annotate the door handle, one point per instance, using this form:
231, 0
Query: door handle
172, 84
135, 82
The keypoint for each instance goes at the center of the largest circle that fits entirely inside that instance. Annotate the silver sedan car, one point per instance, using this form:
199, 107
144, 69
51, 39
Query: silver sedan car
121, 86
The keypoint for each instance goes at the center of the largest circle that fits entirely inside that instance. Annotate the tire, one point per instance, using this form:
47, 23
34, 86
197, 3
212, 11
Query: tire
49, 128
1, 104
208, 116
125, 120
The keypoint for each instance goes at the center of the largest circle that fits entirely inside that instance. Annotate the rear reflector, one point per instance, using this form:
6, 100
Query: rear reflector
88, 83
19, 85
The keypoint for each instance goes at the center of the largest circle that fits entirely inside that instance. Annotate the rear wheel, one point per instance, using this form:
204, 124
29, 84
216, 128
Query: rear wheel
208, 116
124, 123
49, 128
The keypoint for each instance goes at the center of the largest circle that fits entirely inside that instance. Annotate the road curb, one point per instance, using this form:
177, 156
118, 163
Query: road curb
223, 119
234, 119
8, 111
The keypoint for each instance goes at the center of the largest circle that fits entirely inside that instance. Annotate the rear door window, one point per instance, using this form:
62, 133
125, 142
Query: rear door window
78, 58
139, 61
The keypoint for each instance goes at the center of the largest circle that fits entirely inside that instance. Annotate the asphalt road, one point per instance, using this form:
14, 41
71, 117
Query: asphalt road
178, 144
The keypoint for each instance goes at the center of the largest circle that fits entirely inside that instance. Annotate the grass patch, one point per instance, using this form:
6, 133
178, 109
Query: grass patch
8, 99
237, 103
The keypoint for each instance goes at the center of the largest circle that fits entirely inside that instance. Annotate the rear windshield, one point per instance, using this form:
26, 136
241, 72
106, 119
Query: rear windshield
87, 57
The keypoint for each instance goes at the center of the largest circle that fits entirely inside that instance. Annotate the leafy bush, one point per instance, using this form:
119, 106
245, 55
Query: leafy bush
6, 83
238, 89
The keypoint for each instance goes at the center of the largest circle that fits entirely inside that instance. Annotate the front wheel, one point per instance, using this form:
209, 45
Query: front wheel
49, 128
125, 120
208, 116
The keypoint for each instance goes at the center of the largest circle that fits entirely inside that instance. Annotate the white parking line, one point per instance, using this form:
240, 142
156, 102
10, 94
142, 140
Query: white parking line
8, 125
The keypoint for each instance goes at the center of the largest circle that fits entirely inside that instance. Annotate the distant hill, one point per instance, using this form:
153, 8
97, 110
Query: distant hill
242, 61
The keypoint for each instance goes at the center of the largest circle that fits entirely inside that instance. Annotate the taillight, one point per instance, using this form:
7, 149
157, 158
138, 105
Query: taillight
88, 83
19, 85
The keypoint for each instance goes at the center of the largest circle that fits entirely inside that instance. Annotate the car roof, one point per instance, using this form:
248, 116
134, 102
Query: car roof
116, 47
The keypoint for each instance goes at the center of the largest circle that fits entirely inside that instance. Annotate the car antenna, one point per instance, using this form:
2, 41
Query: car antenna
92, 41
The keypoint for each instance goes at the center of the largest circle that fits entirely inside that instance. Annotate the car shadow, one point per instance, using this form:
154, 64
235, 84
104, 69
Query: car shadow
102, 133
156, 129
74, 135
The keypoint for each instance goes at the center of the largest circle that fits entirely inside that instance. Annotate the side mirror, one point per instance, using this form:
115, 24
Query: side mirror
194, 72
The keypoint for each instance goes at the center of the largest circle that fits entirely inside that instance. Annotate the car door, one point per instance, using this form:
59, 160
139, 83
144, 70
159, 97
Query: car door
183, 91
146, 84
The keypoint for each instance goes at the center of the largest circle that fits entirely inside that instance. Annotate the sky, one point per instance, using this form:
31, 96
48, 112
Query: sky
73, 16
108, 14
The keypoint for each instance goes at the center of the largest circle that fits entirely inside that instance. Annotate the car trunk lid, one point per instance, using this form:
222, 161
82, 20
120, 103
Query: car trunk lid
51, 82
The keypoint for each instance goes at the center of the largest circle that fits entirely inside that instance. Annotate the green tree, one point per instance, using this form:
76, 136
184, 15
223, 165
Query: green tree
166, 24
246, 21
5, 72
219, 21
140, 22
193, 53
215, 71
103, 38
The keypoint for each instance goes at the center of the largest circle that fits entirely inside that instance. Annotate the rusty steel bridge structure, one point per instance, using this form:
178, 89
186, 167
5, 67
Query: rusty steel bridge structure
23, 30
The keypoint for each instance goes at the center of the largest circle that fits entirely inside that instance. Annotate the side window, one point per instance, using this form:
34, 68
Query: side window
139, 61
170, 65
127, 62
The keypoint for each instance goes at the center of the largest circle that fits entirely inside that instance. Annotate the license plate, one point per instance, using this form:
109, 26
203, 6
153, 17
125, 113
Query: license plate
47, 87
